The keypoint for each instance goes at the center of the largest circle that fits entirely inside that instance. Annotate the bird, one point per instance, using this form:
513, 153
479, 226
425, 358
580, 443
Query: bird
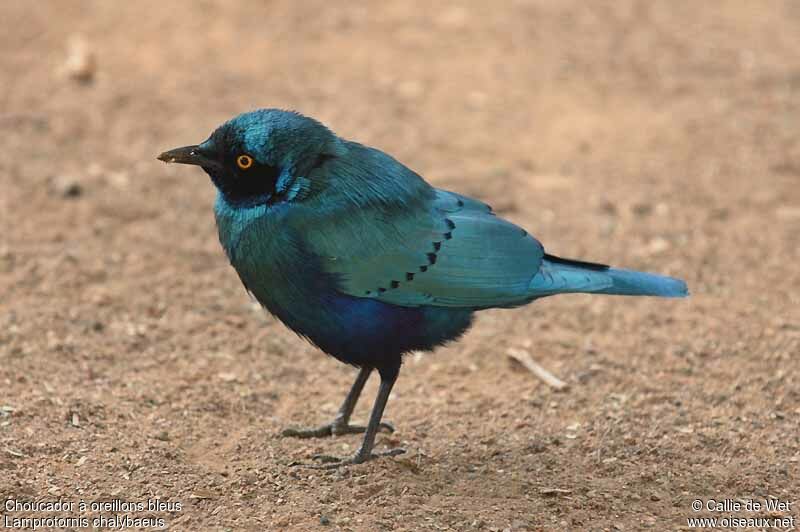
357, 253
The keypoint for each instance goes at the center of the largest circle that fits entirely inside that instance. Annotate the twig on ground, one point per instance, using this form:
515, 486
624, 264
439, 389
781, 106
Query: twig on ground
524, 358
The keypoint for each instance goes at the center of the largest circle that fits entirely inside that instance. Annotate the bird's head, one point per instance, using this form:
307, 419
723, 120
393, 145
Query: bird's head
261, 156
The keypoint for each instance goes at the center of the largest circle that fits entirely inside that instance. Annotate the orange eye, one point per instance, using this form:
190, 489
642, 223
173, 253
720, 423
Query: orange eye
244, 162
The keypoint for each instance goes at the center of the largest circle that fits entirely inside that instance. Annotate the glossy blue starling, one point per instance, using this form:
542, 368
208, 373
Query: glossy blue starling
360, 255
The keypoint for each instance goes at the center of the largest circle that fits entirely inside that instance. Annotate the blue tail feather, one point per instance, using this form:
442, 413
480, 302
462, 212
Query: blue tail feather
560, 276
632, 283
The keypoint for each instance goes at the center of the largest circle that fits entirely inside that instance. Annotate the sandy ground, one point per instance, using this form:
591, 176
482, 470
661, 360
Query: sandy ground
654, 135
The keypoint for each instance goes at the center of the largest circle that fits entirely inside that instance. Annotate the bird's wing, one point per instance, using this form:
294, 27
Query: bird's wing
450, 252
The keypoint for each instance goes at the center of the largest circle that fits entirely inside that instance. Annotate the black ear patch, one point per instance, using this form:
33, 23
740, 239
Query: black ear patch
322, 158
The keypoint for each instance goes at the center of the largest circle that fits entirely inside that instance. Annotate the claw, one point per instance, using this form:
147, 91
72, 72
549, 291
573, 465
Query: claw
360, 458
333, 429
386, 426
334, 462
318, 432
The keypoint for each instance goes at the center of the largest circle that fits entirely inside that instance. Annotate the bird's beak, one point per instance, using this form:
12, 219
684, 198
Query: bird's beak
187, 155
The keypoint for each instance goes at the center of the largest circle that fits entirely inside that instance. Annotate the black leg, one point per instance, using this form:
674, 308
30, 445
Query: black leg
346, 410
341, 423
365, 453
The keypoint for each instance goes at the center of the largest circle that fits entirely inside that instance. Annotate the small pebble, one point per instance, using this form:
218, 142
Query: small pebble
66, 186
80, 65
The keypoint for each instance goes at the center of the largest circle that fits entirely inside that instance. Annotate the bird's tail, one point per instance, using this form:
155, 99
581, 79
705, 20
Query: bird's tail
560, 276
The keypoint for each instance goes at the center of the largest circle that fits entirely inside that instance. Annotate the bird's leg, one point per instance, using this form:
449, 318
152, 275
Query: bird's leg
341, 423
388, 378
365, 451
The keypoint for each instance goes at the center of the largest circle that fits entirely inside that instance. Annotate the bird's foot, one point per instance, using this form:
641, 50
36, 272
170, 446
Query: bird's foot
335, 428
334, 462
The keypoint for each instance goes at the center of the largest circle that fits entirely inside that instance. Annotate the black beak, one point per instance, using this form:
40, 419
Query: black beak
186, 155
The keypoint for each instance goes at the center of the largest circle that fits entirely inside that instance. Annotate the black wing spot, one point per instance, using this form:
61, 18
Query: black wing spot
431, 258
437, 246
409, 276
450, 224
381, 290
460, 203
448, 235
395, 284
423, 268
524, 232
368, 292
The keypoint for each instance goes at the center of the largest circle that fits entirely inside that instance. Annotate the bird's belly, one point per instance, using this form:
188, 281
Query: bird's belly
366, 332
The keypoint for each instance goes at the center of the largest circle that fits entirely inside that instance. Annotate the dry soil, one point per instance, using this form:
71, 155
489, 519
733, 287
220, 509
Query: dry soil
658, 135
